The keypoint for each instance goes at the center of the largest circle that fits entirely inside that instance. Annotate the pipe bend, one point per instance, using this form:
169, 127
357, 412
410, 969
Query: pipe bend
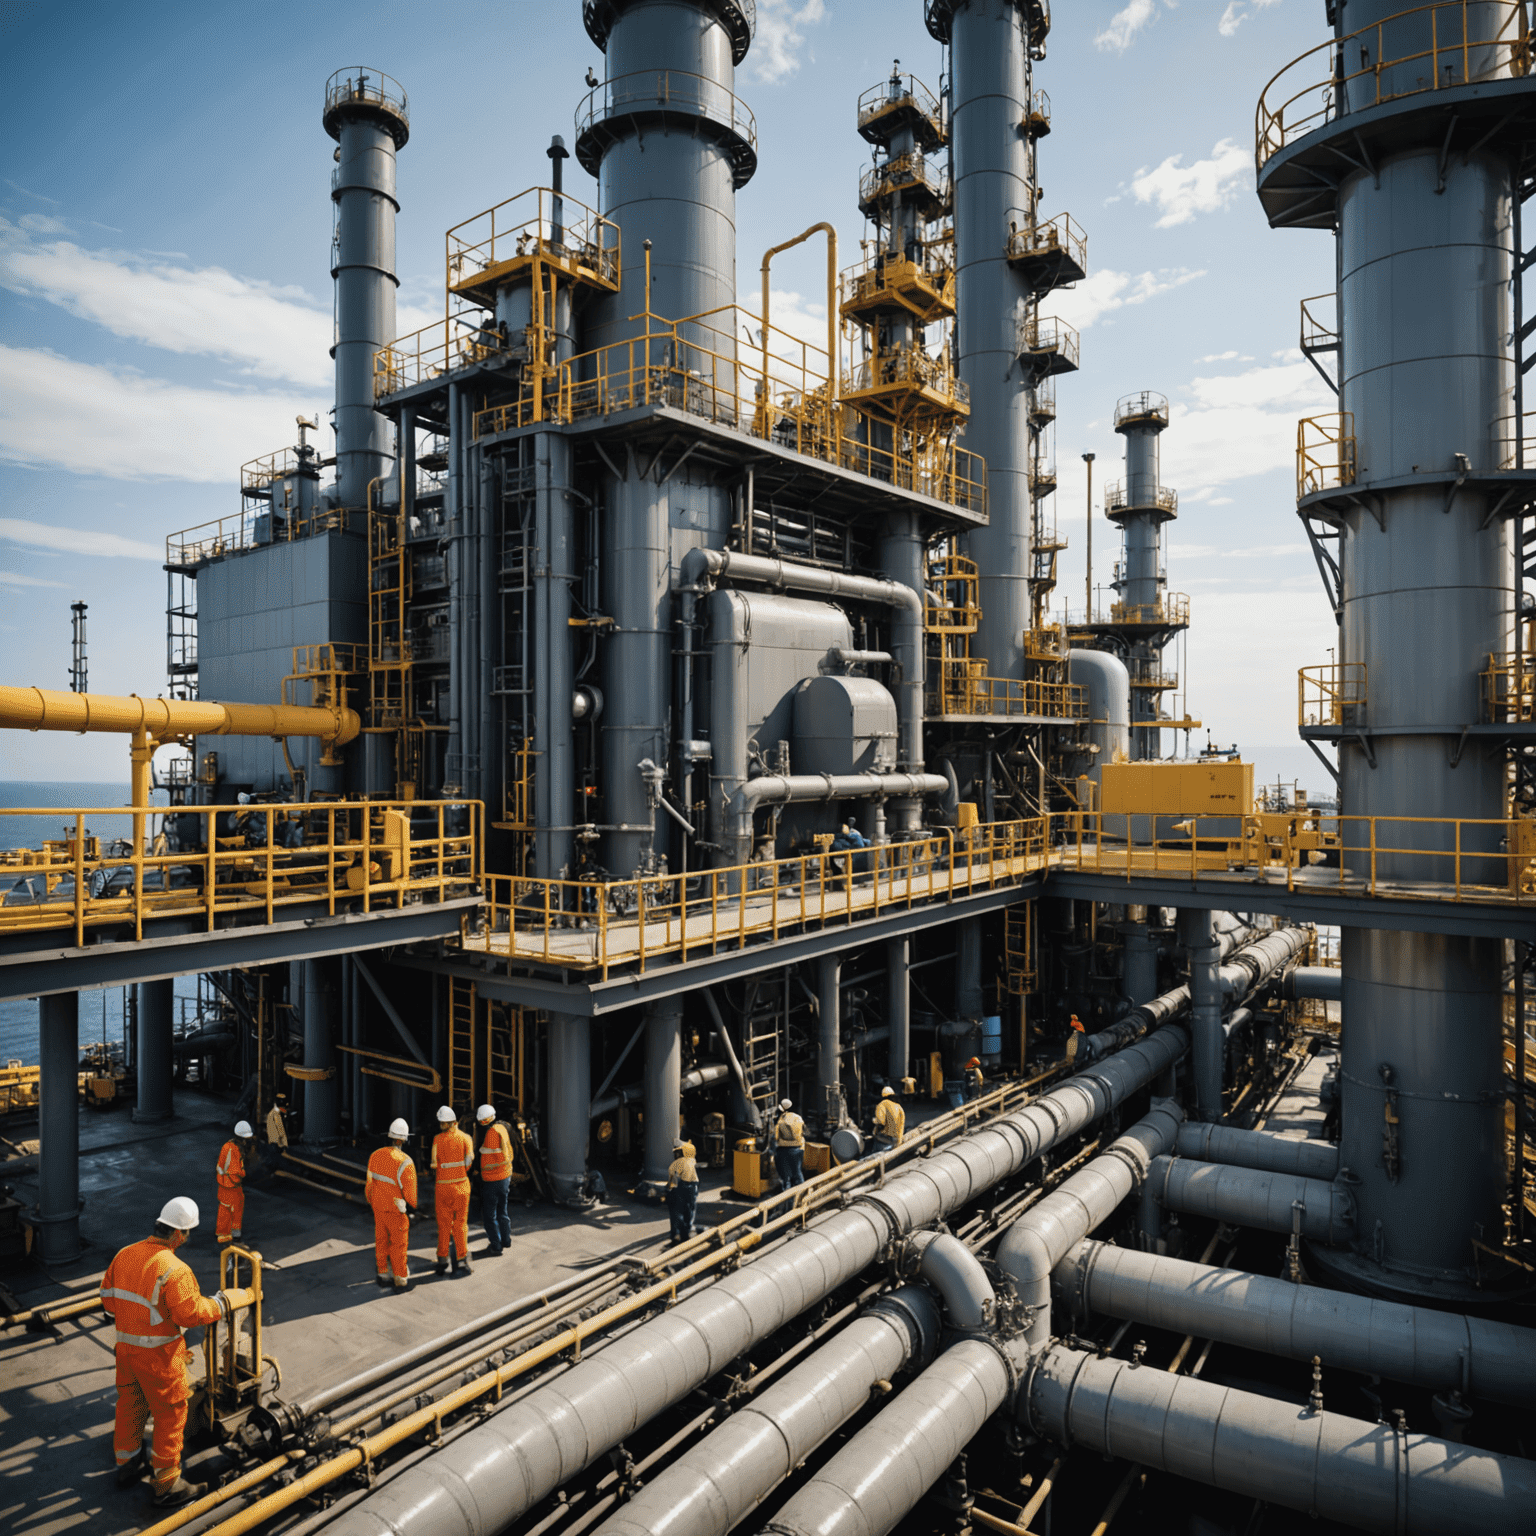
956, 1274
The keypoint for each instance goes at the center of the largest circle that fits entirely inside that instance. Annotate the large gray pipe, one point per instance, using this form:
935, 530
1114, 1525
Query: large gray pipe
1259, 1149
791, 788
635, 1093
898, 1007
365, 112
663, 1086
570, 1097
1036, 1243
1249, 965
1207, 1043
1254, 1197
1371, 1476
322, 1096
58, 1127
1445, 1351
156, 1030
717, 1484
1323, 982
829, 1014
489, 1477
702, 566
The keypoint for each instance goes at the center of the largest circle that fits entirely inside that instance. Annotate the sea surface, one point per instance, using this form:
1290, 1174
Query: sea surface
101, 1012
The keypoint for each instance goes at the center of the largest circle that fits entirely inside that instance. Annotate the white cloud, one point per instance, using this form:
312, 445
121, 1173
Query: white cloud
795, 319
97, 421
1181, 191
1124, 25
76, 541
778, 44
17, 579
1238, 11
1102, 292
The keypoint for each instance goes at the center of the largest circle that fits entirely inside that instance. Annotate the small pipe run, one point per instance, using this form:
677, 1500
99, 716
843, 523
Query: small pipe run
1323, 982
833, 368
1036, 1243
634, 1093
1254, 1197
493, 1474
1445, 1351
718, 1483
1258, 1149
796, 788
1375, 1477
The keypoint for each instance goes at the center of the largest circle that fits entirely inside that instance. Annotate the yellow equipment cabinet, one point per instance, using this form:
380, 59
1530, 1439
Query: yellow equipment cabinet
752, 1170
1210, 788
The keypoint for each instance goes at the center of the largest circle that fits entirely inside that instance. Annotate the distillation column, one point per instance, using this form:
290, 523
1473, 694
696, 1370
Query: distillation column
1424, 219
365, 112
670, 145
1140, 507
992, 45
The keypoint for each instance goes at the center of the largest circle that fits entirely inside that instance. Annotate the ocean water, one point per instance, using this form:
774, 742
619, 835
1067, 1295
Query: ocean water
101, 1012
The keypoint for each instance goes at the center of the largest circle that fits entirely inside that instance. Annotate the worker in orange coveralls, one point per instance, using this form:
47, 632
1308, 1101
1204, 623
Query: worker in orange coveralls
230, 1173
151, 1295
392, 1194
453, 1154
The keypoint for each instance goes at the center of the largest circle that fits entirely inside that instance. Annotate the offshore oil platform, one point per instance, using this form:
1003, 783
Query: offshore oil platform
653, 725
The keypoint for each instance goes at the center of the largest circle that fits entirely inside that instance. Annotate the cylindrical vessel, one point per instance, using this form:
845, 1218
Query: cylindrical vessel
663, 1086
322, 1098
898, 1007
990, 74
365, 112
570, 1095
58, 1128
553, 677
157, 1003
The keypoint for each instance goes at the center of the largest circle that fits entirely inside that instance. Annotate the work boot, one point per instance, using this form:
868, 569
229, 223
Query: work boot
382, 1281
131, 1471
441, 1267
491, 1253
180, 1492
401, 1284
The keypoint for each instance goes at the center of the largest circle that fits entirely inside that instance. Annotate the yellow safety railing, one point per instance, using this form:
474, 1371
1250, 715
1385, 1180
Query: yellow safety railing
1325, 453
1421, 48
1062, 234
1508, 688
597, 924
1145, 405
556, 228
906, 371
903, 92
1391, 857
963, 688
909, 174
1319, 333
254, 860
923, 283
436, 349
1117, 498
1040, 335
1037, 115
1172, 611
246, 530
953, 579
650, 91
357, 84
1331, 694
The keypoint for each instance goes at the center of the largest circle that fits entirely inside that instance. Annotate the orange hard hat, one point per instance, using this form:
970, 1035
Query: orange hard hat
975, 1061
1077, 1024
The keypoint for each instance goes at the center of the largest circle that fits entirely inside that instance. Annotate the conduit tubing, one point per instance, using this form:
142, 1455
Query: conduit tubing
1258, 1149
494, 1474
1442, 1350
1254, 1197
726, 1476
1036, 1243
1372, 1476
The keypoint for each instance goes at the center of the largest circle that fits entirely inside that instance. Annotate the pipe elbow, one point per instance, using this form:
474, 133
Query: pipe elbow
946, 1264
1025, 1257
700, 566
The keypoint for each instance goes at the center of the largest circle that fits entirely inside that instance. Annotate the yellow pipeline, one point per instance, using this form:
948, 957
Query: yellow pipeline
832, 316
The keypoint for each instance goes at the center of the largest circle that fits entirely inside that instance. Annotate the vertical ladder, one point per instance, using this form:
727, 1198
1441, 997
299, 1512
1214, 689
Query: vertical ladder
514, 677
504, 1057
462, 1001
1020, 976
762, 1041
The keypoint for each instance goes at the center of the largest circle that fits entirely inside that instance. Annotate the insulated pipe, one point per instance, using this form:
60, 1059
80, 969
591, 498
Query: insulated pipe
1036, 1243
1259, 1149
789, 788
322, 1100
703, 566
636, 1093
1207, 1044
570, 1096
494, 1474
956, 1274
1324, 982
663, 1087
1371, 1476
833, 369
1249, 965
1444, 1351
881, 1473
829, 1018
1253, 1197
717, 1484
58, 1126
969, 1003
155, 1057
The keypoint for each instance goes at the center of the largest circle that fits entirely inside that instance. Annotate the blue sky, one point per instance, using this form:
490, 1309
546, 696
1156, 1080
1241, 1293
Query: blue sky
165, 304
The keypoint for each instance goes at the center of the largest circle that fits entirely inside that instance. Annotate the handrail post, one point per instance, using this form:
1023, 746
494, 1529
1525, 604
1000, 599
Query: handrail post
79, 880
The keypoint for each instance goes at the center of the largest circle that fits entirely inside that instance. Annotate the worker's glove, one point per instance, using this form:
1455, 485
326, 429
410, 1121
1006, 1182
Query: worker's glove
225, 1309
401, 1206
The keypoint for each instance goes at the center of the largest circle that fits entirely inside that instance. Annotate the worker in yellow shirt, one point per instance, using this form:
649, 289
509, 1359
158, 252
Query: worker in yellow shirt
789, 1146
682, 1190
392, 1194
229, 1173
890, 1121
453, 1154
151, 1296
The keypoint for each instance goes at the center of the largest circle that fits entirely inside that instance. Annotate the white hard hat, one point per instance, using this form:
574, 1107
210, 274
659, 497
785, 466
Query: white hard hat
444, 1115
180, 1213
399, 1128
484, 1113
243, 1128
887, 1093
785, 1103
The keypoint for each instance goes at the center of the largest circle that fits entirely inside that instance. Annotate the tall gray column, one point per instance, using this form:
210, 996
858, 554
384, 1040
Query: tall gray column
829, 1073
322, 1099
157, 1004
570, 1099
1140, 959
898, 1003
1197, 933
554, 570
58, 1126
663, 1087
969, 1003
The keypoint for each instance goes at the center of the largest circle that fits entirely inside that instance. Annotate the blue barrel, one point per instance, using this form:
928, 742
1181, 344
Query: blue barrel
992, 1038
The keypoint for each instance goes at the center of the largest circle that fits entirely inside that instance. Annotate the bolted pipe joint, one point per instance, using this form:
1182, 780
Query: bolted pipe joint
1255, 1197
945, 1263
